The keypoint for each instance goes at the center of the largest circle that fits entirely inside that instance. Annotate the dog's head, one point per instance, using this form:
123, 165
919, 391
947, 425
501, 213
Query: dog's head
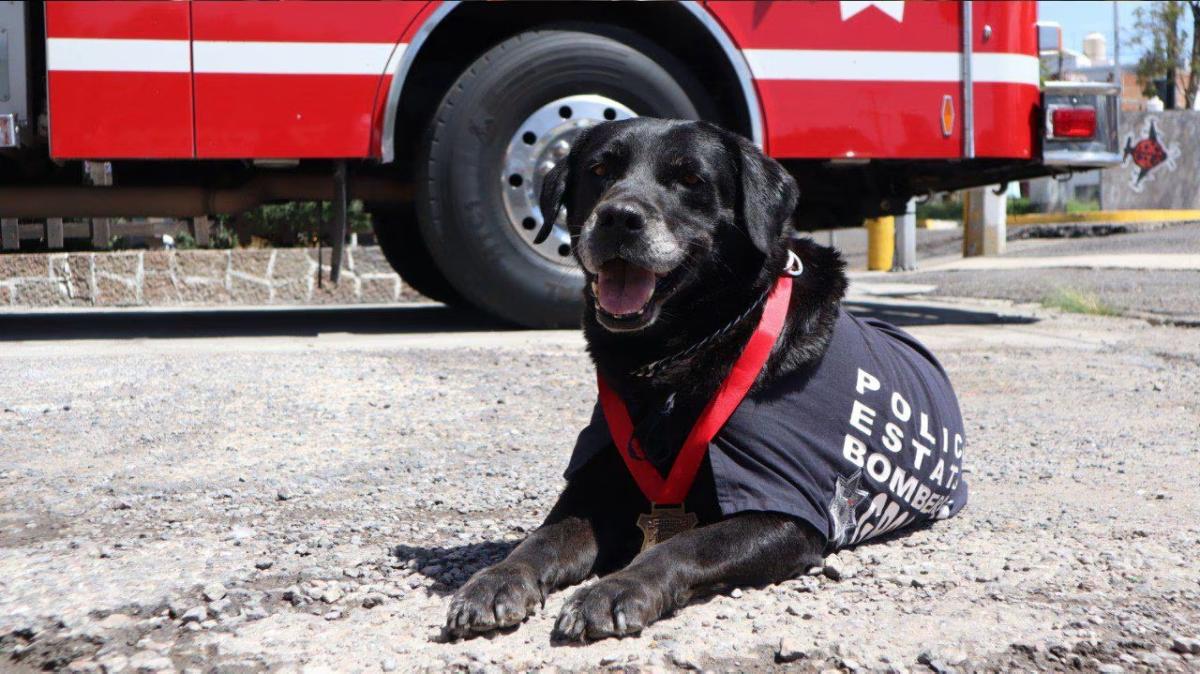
656, 206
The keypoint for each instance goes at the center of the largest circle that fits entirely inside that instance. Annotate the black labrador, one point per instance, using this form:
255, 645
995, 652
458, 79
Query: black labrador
681, 228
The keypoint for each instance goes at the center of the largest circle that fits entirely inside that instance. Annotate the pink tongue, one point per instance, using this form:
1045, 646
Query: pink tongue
624, 288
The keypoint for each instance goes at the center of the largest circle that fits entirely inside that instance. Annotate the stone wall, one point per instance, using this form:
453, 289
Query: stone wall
194, 278
1161, 165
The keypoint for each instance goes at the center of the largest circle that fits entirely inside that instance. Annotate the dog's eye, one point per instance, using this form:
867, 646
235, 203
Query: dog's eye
600, 170
690, 179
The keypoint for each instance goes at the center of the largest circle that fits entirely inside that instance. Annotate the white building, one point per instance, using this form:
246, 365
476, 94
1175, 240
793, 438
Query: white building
1095, 48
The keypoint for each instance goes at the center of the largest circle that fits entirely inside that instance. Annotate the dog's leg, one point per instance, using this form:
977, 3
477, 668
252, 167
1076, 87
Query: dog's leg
748, 549
559, 553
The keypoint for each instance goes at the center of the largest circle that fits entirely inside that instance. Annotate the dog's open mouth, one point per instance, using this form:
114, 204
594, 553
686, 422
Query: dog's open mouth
623, 288
625, 293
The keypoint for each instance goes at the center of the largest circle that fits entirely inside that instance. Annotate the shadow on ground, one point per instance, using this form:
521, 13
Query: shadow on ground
310, 321
250, 322
910, 314
450, 566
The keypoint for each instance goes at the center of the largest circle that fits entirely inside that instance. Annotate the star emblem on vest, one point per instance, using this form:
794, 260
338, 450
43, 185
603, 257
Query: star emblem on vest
846, 497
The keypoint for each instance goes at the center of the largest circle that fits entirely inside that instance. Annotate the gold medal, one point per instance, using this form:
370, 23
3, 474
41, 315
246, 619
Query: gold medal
663, 522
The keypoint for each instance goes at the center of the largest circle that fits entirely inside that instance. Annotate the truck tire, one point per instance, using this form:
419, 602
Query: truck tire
497, 131
402, 245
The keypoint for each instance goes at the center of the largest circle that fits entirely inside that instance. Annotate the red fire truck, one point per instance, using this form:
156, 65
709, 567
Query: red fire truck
446, 115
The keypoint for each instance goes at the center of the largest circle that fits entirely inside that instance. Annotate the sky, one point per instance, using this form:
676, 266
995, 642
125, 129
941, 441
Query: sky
1081, 17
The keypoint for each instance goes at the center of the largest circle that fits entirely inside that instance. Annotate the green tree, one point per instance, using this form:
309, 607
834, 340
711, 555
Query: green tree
1160, 31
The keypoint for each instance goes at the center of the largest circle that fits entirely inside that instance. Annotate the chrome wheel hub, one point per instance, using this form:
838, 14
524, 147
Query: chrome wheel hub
540, 142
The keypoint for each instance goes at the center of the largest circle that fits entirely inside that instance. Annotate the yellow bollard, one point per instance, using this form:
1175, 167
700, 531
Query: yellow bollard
881, 243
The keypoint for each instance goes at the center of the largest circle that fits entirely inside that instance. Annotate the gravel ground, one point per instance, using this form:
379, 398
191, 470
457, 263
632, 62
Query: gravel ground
307, 503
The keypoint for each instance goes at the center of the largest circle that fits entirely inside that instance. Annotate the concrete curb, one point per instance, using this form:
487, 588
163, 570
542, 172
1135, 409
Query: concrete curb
1076, 230
1183, 321
868, 287
1157, 215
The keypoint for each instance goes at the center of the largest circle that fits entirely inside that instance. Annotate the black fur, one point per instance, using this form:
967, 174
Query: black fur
722, 242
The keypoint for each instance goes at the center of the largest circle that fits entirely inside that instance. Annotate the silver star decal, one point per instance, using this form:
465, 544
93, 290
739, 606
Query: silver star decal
846, 497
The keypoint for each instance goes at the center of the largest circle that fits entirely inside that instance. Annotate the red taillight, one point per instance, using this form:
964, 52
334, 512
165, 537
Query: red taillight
1073, 122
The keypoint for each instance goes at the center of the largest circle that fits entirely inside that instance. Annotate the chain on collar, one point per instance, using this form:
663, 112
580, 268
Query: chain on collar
795, 267
653, 368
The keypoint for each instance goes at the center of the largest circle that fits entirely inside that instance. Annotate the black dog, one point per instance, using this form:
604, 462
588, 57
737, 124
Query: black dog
849, 430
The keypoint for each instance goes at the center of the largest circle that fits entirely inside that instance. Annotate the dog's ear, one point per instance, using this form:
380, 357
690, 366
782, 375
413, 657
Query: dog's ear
556, 186
553, 197
767, 195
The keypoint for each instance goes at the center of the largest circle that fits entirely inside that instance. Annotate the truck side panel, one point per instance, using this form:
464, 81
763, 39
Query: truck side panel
119, 79
1004, 111
293, 79
871, 80
228, 79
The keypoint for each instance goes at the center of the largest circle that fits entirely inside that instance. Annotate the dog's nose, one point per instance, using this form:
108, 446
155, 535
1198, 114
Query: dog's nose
625, 215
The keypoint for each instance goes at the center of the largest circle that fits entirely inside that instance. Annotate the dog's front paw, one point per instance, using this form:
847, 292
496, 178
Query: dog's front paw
494, 598
617, 606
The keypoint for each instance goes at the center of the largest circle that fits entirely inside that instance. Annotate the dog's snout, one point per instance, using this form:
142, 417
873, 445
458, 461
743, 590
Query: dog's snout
624, 214
630, 228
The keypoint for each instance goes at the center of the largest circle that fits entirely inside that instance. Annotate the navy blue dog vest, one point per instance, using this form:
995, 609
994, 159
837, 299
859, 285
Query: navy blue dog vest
865, 441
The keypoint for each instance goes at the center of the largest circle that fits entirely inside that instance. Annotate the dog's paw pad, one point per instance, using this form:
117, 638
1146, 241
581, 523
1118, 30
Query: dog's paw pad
614, 607
494, 598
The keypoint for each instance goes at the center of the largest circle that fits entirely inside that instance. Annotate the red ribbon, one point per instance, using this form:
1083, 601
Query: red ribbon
741, 377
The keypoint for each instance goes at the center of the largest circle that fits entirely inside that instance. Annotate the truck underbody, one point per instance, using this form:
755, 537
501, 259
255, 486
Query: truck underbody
470, 101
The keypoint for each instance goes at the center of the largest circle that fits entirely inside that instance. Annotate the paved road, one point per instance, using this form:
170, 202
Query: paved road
1169, 293
934, 246
302, 490
1177, 238
1173, 295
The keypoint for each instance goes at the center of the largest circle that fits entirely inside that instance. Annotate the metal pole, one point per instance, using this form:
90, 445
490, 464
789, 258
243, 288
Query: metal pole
320, 227
339, 219
1117, 52
906, 239
54, 233
99, 174
10, 234
968, 82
